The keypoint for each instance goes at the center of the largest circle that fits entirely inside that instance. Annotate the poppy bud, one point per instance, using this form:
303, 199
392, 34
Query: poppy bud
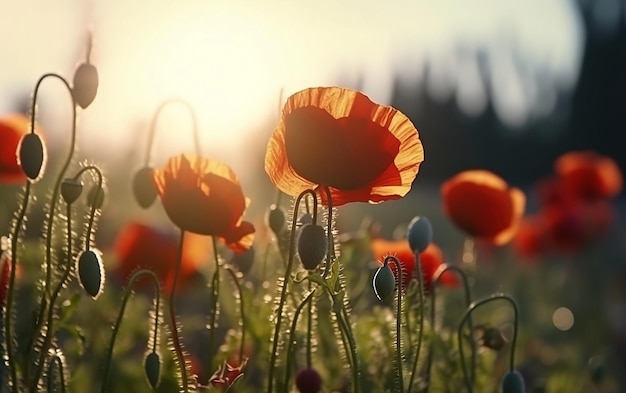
96, 197
144, 188
312, 245
244, 261
85, 84
276, 219
308, 381
493, 339
384, 282
71, 190
91, 272
420, 233
152, 368
306, 218
513, 382
32, 155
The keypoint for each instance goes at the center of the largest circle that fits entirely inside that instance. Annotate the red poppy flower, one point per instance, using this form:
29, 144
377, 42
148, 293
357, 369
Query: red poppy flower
204, 196
12, 127
588, 175
531, 241
141, 246
430, 260
338, 138
483, 205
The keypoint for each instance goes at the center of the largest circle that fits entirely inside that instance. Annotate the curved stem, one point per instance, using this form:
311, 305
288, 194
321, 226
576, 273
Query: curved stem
215, 292
56, 359
307, 300
283, 293
11, 289
194, 119
178, 348
53, 201
468, 299
233, 275
420, 336
120, 315
472, 307
92, 215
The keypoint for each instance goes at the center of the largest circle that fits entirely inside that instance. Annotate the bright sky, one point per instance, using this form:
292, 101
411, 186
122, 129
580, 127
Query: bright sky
230, 58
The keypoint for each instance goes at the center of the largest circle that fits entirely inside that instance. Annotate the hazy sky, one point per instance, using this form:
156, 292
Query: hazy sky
229, 59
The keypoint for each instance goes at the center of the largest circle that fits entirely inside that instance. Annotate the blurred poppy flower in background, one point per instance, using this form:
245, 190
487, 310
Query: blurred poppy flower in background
12, 127
430, 259
482, 204
338, 138
588, 175
204, 196
141, 246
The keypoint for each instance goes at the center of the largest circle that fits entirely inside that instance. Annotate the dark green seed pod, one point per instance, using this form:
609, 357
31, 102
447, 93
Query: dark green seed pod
32, 156
85, 84
91, 272
71, 190
420, 233
276, 219
144, 188
384, 282
513, 382
308, 381
306, 218
152, 367
96, 197
243, 262
493, 339
312, 245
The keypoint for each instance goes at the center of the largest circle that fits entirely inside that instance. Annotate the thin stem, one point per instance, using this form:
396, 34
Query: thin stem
420, 335
56, 359
283, 293
329, 232
233, 275
92, 215
399, 324
175, 337
342, 318
309, 332
53, 202
307, 300
215, 292
194, 119
472, 307
468, 299
120, 315
9, 305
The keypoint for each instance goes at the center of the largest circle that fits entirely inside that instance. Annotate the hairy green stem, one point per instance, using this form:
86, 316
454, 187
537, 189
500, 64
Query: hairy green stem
120, 315
235, 279
178, 348
290, 342
215, 293
56, 359
420, 334
283, 294
399, 289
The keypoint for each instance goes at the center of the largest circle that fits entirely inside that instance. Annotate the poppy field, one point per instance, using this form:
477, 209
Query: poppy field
161, 280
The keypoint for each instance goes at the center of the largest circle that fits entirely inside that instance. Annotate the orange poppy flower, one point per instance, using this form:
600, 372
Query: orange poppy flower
141, 246
204, 196
338, 138
430, 260
483, 205
12, 127
588, 175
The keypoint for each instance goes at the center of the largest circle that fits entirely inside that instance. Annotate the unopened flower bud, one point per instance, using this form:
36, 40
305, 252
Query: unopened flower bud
152, 368
144, 189
384, 282
312, 245
308, 381
513, 382
85, 84
420, 233
71, 190
32, 156
276, 219
91, 272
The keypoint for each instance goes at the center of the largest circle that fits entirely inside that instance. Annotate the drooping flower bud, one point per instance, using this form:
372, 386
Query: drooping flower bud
513, 382
32, 156
85, 84
91, 272
144, 188
312, 245
96, 196
306, 218
420, 233
276, 219
384, 281
152, 368
493, 339
308, 380
71, 190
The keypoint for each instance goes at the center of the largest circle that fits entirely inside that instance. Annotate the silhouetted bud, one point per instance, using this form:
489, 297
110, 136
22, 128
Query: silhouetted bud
312, 245
420, 233
85, 84
144, 189
71, 190
91, 272
32, 156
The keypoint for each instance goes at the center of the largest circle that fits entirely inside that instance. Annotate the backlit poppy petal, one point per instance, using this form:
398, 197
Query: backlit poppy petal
481, 204
589, 175
204, 196
12, 127
340, 139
